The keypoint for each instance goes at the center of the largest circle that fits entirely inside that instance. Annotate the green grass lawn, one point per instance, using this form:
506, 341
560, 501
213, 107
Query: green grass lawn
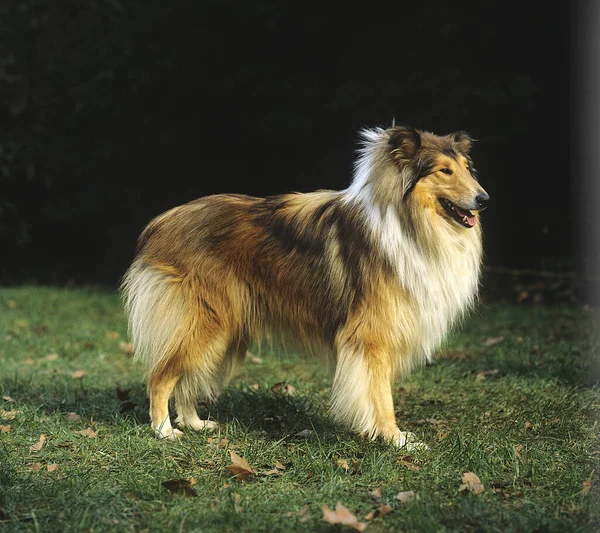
511, 398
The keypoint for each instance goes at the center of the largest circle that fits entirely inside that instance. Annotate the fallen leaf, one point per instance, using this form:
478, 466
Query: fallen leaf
471, 483
490, 341
123, 394
528, 424
407, 496
341, 515
76, 374
127, 407
587, 486
280, 466
7, 415
239, 467
89, 432
283, 388
408, 462
35, 467
272, 472
7, 399
305, 433
355, 467
255, 359
216, 443
126, 347
342, 463
38, 445
433, 421
52, 357
382, 510
40, 330
482, 374
377, 494
5, 429
181, 486
53, 467
236, 499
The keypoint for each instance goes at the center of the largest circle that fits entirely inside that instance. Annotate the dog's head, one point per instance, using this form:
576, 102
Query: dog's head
438, 173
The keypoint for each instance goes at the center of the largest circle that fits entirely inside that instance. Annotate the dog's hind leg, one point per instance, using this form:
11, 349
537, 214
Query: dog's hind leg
207, 384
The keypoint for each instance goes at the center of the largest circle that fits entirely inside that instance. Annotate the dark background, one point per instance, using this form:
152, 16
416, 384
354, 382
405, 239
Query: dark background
113, 111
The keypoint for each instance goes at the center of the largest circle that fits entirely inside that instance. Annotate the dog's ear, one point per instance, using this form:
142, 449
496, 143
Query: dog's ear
463, 141
404, 142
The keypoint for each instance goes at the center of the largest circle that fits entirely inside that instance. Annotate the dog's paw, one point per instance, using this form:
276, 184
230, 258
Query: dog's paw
408, 441
197, 424
167, 433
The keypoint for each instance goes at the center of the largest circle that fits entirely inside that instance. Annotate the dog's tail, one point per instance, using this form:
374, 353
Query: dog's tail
157, 310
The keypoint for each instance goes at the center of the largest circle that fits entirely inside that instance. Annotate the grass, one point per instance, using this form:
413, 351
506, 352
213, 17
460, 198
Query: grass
521, 413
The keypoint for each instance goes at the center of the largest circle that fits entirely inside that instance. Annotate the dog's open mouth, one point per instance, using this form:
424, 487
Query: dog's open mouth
463, 216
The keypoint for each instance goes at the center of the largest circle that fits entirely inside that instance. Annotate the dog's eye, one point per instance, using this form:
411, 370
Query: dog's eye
446, 171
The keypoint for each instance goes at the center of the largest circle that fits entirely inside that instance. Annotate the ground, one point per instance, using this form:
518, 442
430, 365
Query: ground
512, 397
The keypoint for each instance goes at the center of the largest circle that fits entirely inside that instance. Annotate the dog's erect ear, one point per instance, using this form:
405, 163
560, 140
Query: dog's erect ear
463, 141
404, 142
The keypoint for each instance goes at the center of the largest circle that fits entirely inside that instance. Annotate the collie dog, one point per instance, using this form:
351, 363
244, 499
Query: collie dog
370, 278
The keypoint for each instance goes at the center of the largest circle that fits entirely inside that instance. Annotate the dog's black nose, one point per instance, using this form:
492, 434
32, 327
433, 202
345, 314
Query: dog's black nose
482, 200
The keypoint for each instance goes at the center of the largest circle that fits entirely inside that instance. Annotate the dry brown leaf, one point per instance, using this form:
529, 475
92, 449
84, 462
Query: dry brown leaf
181, 486
5, 429
407, 496
38, 445
341, 515
35, 467
239, 467
254, 358
283, 388
342, 463
409, 462
587, 486
471, 483
53, 467
216, 443
382, 510
7, 415
73, 417
377, 493
52, 357
76, 374
272, 472
126, 348
490, 341
7, 399
280, 466
89, 432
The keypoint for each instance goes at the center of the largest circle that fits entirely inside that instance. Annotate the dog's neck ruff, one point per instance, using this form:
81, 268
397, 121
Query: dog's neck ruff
438, 266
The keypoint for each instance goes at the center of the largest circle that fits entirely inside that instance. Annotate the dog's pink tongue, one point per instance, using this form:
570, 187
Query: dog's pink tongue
471, 220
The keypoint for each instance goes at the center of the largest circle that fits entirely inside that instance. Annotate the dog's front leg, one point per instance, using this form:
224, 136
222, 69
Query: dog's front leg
362, 394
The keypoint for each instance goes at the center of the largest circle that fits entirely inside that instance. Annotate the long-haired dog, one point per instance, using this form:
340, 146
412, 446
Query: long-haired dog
371, 277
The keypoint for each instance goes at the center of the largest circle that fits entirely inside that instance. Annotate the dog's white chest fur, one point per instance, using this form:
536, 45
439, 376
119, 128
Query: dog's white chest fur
442, 280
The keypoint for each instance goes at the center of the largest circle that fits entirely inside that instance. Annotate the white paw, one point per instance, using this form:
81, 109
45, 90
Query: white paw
408, 441
196, 423
167, 433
